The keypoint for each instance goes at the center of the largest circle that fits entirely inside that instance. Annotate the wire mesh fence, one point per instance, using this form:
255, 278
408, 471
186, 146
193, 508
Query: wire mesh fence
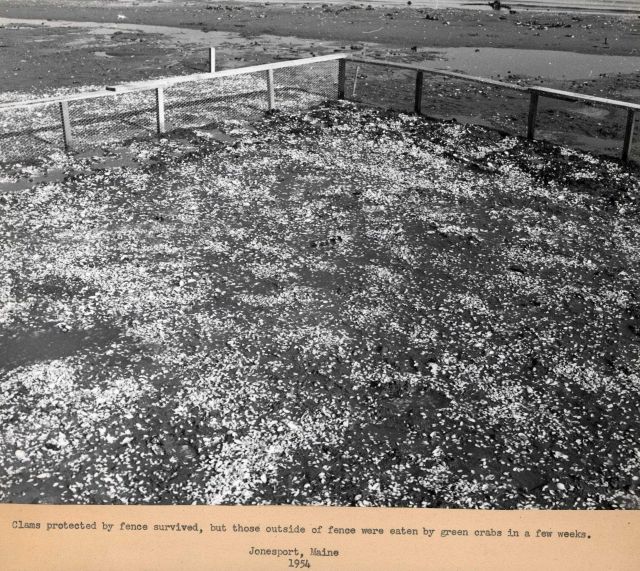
30, 131
33, 132
596, 128
479, 104
209, 102
111, 119
380, 86
442, 98
307, 85
635, 145
593, 128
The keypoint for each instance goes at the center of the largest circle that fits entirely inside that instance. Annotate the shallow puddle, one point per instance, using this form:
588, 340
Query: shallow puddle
492, 62
488, 62
49, 344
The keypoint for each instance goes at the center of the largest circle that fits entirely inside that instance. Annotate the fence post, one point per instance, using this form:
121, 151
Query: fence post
212, 60
533, 111
355, 81
160, 110
66, 124
418, 101
271, 94
342, 77
628, 134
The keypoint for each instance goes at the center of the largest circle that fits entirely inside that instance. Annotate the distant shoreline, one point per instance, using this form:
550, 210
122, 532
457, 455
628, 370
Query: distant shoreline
560, 9
618, 9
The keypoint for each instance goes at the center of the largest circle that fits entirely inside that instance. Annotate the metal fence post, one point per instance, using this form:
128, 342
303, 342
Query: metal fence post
212, 60
628, 134
66, 124
342, 77
533, 111
418, 100
271, 94
160, 110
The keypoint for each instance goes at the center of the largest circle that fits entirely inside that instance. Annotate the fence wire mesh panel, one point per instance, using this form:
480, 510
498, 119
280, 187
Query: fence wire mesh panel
208, 102
42, 128
572, 124
380, 86
30, 132
112, 119
305, 86
634, 153
442, 98
447, 98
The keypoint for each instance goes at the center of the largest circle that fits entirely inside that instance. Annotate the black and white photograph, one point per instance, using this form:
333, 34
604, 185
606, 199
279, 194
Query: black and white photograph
369, 254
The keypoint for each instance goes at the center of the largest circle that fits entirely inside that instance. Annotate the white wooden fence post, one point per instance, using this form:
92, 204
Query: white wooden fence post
212, 60
160, 110
271, 94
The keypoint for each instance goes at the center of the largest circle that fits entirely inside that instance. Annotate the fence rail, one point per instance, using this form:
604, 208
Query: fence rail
165, 91
535, 93
424, 69
122, 112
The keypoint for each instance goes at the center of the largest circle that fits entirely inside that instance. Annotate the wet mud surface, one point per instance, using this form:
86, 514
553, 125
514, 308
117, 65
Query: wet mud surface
346, 306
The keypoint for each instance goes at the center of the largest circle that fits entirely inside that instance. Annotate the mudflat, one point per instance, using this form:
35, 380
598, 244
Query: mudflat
302, 29
339, 305
72, 44
345, 306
